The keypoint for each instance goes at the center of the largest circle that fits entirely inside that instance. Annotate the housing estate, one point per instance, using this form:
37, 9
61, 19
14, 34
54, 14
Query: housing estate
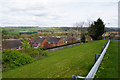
44, 42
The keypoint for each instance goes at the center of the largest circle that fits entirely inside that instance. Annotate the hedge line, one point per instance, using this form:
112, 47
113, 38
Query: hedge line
59, 46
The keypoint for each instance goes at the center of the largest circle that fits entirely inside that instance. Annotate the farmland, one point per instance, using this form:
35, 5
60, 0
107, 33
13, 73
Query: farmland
64, 63
16, 30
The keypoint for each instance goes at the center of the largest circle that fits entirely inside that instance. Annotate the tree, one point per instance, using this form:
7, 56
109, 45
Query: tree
83, 37
4, 32
79, 29
25, 44
32, 35
71, 35
45, 34
16, 36
96, 29
79, 26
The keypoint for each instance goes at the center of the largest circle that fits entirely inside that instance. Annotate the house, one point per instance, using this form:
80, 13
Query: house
45, 42
37, 42
71, 41
11, 44
54, 41
111, 35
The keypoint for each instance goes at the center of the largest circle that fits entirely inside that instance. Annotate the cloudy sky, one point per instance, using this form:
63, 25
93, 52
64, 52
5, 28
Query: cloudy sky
57, 12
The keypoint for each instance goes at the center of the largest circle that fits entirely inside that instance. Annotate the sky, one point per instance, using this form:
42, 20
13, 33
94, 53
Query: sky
57, 13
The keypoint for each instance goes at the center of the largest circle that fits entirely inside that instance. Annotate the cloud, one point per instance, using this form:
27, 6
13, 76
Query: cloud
56, 12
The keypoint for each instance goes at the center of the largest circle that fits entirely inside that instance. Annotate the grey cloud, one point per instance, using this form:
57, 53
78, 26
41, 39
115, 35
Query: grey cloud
39, 15
55, 12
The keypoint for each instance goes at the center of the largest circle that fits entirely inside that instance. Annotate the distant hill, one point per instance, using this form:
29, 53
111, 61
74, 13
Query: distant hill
112, 29
85, 28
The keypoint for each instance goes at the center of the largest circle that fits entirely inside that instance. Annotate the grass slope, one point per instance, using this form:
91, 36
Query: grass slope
64, 63
109, 65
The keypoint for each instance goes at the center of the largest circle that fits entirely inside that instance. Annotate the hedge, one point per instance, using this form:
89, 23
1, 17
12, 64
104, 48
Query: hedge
59, 46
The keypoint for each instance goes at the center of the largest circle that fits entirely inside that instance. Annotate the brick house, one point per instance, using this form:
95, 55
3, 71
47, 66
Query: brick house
11, 44
111, 34
37, 42
71, 41
54, 41
45, 42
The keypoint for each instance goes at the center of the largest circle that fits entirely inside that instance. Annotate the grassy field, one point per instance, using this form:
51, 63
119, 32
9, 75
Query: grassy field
109, 65
13, 30
64, 63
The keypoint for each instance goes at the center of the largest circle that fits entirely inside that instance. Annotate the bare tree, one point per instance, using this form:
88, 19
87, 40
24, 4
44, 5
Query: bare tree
89, 22
79, 28
71, 35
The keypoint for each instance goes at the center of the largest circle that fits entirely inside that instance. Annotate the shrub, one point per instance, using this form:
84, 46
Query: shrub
13, 58
60, 46
45, 53
33, 52
40, 50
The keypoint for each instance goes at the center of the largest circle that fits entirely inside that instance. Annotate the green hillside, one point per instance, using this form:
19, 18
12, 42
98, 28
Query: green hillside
64, 63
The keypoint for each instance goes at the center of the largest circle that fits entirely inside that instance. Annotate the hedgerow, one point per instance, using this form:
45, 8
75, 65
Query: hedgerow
60, 46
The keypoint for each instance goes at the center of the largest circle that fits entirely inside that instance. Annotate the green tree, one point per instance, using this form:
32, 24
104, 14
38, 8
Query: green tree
96, 29
4, 32
45, 34
25, 44
16, 36
83, 37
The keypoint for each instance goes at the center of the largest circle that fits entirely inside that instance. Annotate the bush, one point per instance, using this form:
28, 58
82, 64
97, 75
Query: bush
45, 53
60, 46
13, 58
33, 52
40, 49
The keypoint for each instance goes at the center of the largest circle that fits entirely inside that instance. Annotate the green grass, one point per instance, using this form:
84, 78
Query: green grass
64, 63
18, 29
109, 65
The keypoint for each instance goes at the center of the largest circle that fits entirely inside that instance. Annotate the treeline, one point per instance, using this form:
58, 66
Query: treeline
111, 29
85, 28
